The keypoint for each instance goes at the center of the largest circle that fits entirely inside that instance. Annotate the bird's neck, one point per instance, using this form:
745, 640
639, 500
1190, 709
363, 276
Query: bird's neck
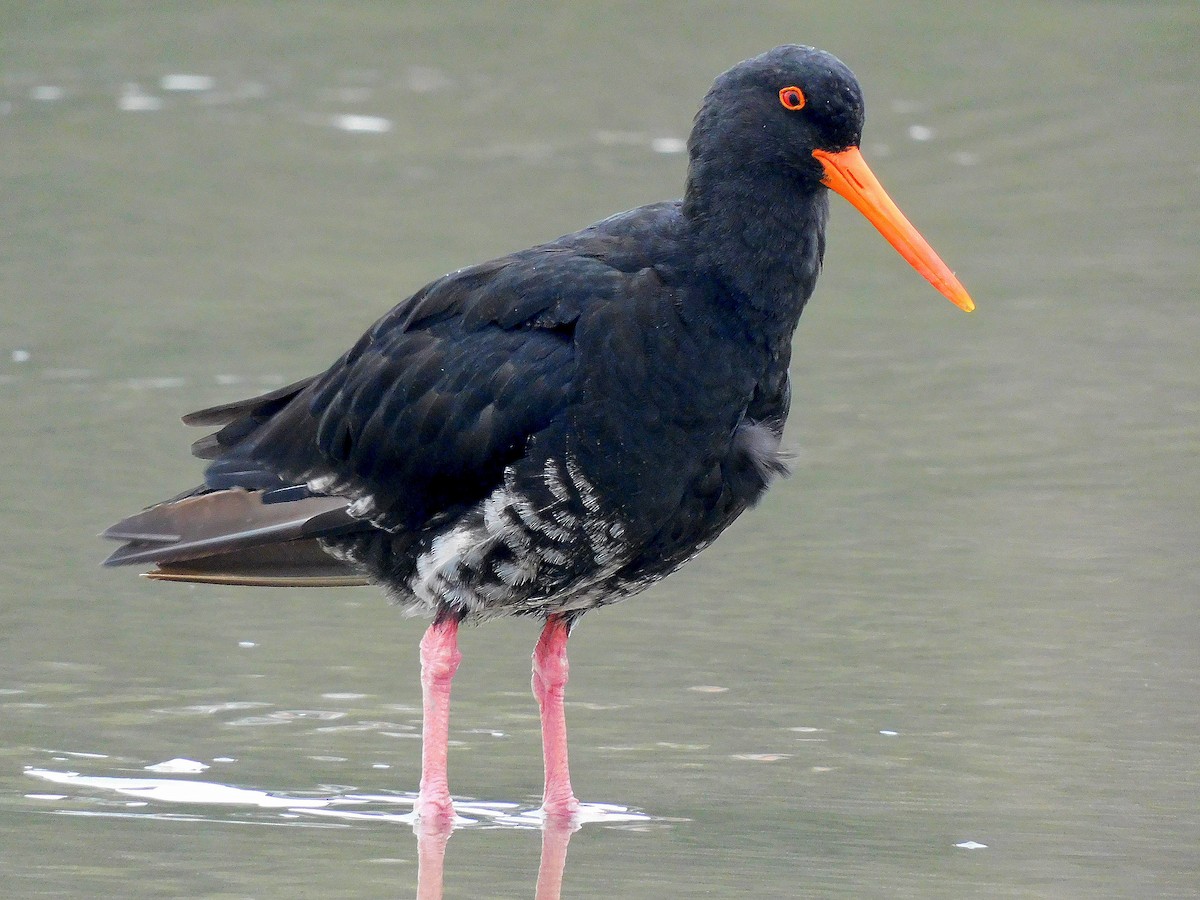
764, 241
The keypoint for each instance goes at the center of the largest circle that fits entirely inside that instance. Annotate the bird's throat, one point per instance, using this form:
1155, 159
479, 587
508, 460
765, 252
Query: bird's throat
765, 244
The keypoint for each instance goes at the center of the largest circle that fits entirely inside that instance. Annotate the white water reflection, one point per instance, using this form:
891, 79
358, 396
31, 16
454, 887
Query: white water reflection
187, 83
178, 766
177, 790
347, 807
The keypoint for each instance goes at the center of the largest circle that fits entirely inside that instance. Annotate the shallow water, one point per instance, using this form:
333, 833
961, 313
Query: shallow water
968, 619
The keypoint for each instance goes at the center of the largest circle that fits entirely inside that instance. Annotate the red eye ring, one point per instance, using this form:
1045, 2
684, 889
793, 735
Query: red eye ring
792, 98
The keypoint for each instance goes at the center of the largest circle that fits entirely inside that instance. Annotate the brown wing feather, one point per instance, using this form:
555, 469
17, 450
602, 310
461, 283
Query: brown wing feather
291, 564
224, 524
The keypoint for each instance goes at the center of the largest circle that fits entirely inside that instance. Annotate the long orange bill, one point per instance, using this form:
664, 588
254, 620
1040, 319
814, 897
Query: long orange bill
847, 173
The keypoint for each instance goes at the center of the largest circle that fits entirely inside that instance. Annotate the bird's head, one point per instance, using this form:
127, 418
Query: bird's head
800, 110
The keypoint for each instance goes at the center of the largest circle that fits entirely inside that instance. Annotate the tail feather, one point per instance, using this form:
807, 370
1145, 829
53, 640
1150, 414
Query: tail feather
235, 534
299, 563
247, 524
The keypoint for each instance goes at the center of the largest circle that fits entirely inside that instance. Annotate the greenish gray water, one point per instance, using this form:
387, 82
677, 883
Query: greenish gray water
970, 616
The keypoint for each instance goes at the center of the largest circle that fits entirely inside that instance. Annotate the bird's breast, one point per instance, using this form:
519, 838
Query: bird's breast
536, 544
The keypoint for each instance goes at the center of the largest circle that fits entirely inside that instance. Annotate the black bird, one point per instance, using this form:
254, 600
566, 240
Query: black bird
553, 430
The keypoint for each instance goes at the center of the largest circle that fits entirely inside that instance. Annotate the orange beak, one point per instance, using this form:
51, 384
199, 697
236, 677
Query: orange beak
847, 173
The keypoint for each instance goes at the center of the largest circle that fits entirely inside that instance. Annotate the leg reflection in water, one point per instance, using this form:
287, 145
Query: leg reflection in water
434, 834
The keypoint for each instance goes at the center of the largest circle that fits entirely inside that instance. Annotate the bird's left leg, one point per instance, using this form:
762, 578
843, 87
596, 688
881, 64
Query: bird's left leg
549, 684
439, 661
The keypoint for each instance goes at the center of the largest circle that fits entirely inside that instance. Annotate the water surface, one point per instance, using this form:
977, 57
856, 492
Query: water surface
968, 619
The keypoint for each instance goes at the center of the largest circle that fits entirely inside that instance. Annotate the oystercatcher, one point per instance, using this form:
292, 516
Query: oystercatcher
554, 430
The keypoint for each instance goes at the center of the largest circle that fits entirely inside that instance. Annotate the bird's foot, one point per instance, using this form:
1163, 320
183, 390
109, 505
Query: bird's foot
434, 807
560, 806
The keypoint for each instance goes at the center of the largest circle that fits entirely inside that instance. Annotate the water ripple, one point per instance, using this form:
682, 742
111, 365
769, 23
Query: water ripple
331, 807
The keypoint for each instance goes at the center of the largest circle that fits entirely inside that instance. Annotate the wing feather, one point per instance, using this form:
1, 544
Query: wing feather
413, 425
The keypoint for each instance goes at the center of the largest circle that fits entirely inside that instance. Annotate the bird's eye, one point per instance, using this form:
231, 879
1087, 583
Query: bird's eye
792, 98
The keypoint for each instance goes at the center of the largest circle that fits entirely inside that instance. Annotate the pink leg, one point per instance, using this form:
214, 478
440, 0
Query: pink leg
549, 683
439, 661
556, 834
431, 856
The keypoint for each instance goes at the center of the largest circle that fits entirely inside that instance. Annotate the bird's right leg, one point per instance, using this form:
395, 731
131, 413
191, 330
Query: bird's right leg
550, 670
439, 662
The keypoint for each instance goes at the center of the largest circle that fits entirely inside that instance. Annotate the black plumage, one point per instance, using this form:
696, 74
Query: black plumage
555, 429
598, 353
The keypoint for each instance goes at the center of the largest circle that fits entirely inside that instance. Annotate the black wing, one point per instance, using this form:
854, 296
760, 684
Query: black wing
421, 417
415, 424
